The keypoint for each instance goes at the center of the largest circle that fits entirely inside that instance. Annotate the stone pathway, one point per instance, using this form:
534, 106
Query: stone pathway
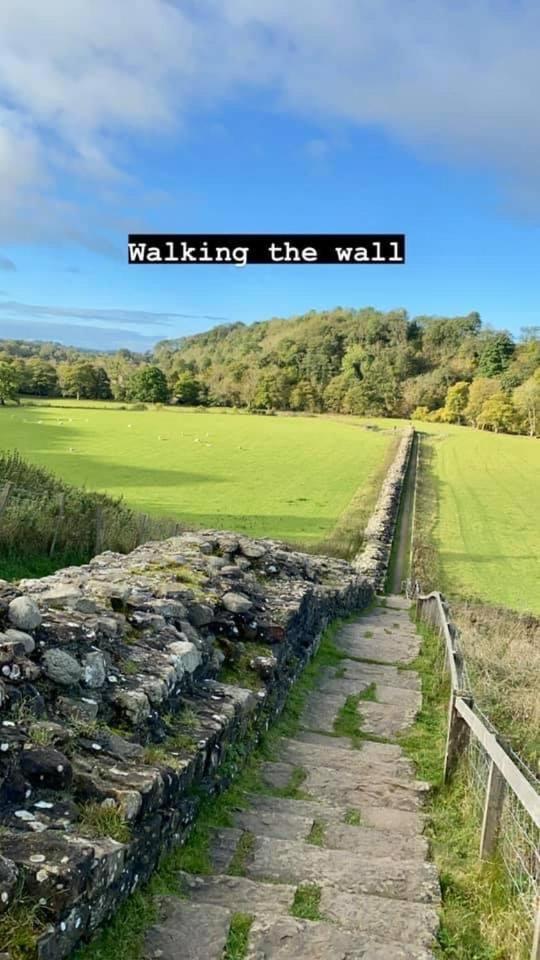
348, 850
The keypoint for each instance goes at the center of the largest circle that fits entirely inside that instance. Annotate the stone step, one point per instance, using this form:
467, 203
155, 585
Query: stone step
284, 826
384, 919
288, 938
386, 719
367, 673
403, 921
404, 822
295, 862
356, 790
187, 930
388, 758
385, 648
239, 893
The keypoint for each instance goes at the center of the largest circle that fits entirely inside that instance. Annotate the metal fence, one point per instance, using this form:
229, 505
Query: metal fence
505, 793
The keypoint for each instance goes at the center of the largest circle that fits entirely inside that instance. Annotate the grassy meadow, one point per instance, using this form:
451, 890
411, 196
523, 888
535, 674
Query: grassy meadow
285, 477
486, 510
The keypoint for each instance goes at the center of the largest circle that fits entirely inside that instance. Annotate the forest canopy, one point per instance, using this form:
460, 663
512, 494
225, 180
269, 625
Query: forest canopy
354, 361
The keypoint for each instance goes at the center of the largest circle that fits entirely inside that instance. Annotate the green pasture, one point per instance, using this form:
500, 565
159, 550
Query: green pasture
488, 527
284, 477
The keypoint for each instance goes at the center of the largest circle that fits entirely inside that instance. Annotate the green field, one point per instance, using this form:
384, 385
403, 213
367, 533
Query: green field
284, 477
488, 527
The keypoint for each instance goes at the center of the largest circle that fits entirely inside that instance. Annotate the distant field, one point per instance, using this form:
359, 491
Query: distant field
284, 477
488, 528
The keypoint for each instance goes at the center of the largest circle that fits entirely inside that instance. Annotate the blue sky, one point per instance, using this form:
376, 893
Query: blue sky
415, 117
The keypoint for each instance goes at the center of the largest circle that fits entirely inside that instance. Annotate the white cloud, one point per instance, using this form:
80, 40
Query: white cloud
142, 318
82, 82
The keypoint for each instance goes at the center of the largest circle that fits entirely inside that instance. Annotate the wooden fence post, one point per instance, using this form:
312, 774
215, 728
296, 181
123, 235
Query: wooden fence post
457, 738
99, 530
495, 790
59, 520
535, 952
4, 495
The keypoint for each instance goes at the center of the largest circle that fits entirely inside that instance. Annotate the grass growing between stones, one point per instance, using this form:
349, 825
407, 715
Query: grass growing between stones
237, 941
292, 790
244, 849
348, 722
316, 834
353, 818
122, 937
480, 919
99, 821
306, 903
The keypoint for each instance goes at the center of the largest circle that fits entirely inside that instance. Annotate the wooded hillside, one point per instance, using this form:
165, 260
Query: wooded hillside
362, 362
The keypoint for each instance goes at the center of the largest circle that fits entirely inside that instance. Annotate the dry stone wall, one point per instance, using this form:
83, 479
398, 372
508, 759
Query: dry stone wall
114, 712
374, 559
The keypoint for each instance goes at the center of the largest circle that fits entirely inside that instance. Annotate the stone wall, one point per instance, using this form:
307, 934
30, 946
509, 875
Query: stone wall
373, 560
113, 707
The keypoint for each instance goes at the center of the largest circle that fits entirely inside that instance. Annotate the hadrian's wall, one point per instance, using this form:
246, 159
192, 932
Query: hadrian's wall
111, 695
374, 559
112, 699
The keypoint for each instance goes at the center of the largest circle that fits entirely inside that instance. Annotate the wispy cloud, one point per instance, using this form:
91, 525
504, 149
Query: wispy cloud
7, 264
144, 318
455, 80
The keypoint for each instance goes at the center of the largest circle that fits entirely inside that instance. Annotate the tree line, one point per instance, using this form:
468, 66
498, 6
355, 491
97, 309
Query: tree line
363, 362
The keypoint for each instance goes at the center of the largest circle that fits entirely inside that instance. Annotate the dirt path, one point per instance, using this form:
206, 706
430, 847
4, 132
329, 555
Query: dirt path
399, 561
329, 863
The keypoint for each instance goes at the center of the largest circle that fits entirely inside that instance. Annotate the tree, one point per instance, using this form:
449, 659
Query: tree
40, 378
496, 355
480, 390
102, 384
9, 382
526, 400
78, 380
498, 414
304, 397
456, 401
420, 413
187, 389
149, 385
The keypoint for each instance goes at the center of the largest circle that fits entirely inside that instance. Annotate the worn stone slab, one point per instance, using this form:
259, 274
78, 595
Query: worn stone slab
223, 844
277, 775
321, 739
352, 789
414, 924
289, 938
312, 809
386, 719
239, 893
358, 676
188, 931
386, 757
284, 826
375, 843
407, 822
387, 648
290, 862
321, 710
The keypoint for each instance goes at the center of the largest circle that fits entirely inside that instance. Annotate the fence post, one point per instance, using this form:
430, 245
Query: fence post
99, 530
535, 952
491, 819
59, 519
457, 737
4, 495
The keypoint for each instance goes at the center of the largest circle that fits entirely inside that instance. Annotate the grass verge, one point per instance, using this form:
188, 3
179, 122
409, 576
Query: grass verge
480, 919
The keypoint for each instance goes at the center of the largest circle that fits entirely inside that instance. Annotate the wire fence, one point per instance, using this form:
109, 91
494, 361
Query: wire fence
504, 790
